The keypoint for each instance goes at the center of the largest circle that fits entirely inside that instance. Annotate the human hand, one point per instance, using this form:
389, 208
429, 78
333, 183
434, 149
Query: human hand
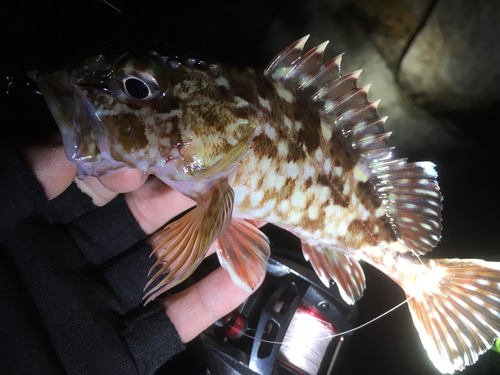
152, 203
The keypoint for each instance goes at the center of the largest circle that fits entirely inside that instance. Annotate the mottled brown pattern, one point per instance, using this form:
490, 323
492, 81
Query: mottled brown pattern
308, 183
261, 183
265, 88
174, 134
130, 133
165, 104
293, 165
370, 231
386, 231
265, 146
323, 179
310, 134
244, 83
209, 108
287, 191
361, 233
312, 225
295, 152
342, 155
225, 93
366, 195
337, 186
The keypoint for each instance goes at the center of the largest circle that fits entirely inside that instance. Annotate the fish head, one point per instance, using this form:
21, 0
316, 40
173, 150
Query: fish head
174, 119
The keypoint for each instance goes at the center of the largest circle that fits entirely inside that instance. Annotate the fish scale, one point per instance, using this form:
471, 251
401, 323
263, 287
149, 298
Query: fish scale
320, 201
296, 144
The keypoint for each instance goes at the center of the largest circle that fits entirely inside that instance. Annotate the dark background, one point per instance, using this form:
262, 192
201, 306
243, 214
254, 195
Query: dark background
44, 35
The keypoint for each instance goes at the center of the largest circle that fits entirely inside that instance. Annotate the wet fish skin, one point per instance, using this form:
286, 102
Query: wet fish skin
296, 144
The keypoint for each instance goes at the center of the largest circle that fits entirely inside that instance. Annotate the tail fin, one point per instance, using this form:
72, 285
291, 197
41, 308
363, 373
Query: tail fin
458, 318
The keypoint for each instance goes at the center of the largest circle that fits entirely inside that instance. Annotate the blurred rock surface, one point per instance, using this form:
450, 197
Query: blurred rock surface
415, 130
453, 64
392, 24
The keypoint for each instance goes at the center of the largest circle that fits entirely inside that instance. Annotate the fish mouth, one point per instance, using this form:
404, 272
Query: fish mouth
80, 128
69, 109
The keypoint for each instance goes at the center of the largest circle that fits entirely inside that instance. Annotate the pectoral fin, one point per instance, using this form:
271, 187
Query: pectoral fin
333, 264
187, 240
243, 251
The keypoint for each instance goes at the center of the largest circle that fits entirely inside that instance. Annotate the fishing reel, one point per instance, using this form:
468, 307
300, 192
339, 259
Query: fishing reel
284, 328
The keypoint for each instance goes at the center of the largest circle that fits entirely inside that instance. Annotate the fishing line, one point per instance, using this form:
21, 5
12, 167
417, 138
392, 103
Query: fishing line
308, 337
10, 80
112, 6
340, 333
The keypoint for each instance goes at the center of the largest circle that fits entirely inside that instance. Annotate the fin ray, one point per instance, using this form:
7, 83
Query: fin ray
354, 120
187, 240
310, 61
243, 250
458, 320
333, 264
280, 65
320, 77
412, 200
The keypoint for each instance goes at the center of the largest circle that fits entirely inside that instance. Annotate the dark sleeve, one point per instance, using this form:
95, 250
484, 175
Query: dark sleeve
72, 277
19, 190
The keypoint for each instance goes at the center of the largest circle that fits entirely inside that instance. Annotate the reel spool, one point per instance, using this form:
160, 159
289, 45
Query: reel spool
306, 341
293, 308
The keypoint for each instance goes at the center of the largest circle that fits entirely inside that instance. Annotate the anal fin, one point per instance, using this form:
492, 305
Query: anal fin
188, 239
243, 250
333, 264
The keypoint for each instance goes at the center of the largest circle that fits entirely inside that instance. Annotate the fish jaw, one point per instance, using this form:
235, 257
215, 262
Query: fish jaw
104, 129
186, 123
82, 131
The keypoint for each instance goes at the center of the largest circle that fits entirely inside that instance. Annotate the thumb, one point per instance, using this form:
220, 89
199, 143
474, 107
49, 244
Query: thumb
202, 304
50, 167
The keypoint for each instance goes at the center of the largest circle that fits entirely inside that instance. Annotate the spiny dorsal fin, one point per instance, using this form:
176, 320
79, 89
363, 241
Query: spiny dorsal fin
282, 64
409, 191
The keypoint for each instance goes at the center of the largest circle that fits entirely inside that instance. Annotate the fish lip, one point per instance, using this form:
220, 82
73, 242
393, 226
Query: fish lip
84, 138
61, 113
70, 111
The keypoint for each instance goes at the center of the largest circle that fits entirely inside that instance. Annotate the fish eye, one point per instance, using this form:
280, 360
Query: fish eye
140, 86
140, 78
136, 89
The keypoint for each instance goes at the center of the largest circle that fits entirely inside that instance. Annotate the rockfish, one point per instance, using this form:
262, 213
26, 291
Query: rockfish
297, 145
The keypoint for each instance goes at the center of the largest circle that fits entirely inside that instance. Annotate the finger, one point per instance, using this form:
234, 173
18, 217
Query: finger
155, 203
196, 308
95, 190
103, 189
124, 181
55, 173
50, 167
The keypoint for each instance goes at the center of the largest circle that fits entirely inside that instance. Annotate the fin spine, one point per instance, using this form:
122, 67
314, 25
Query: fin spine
347, 111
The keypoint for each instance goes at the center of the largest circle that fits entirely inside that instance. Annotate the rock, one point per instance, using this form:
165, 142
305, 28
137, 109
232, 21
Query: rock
416, 132
453, 64
391, 24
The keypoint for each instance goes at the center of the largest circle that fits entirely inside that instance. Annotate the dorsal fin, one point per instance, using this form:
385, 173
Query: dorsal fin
409, 191
412, 201
282, 64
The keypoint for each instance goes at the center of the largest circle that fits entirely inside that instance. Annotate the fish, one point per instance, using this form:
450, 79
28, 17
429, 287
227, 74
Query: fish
296, 144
